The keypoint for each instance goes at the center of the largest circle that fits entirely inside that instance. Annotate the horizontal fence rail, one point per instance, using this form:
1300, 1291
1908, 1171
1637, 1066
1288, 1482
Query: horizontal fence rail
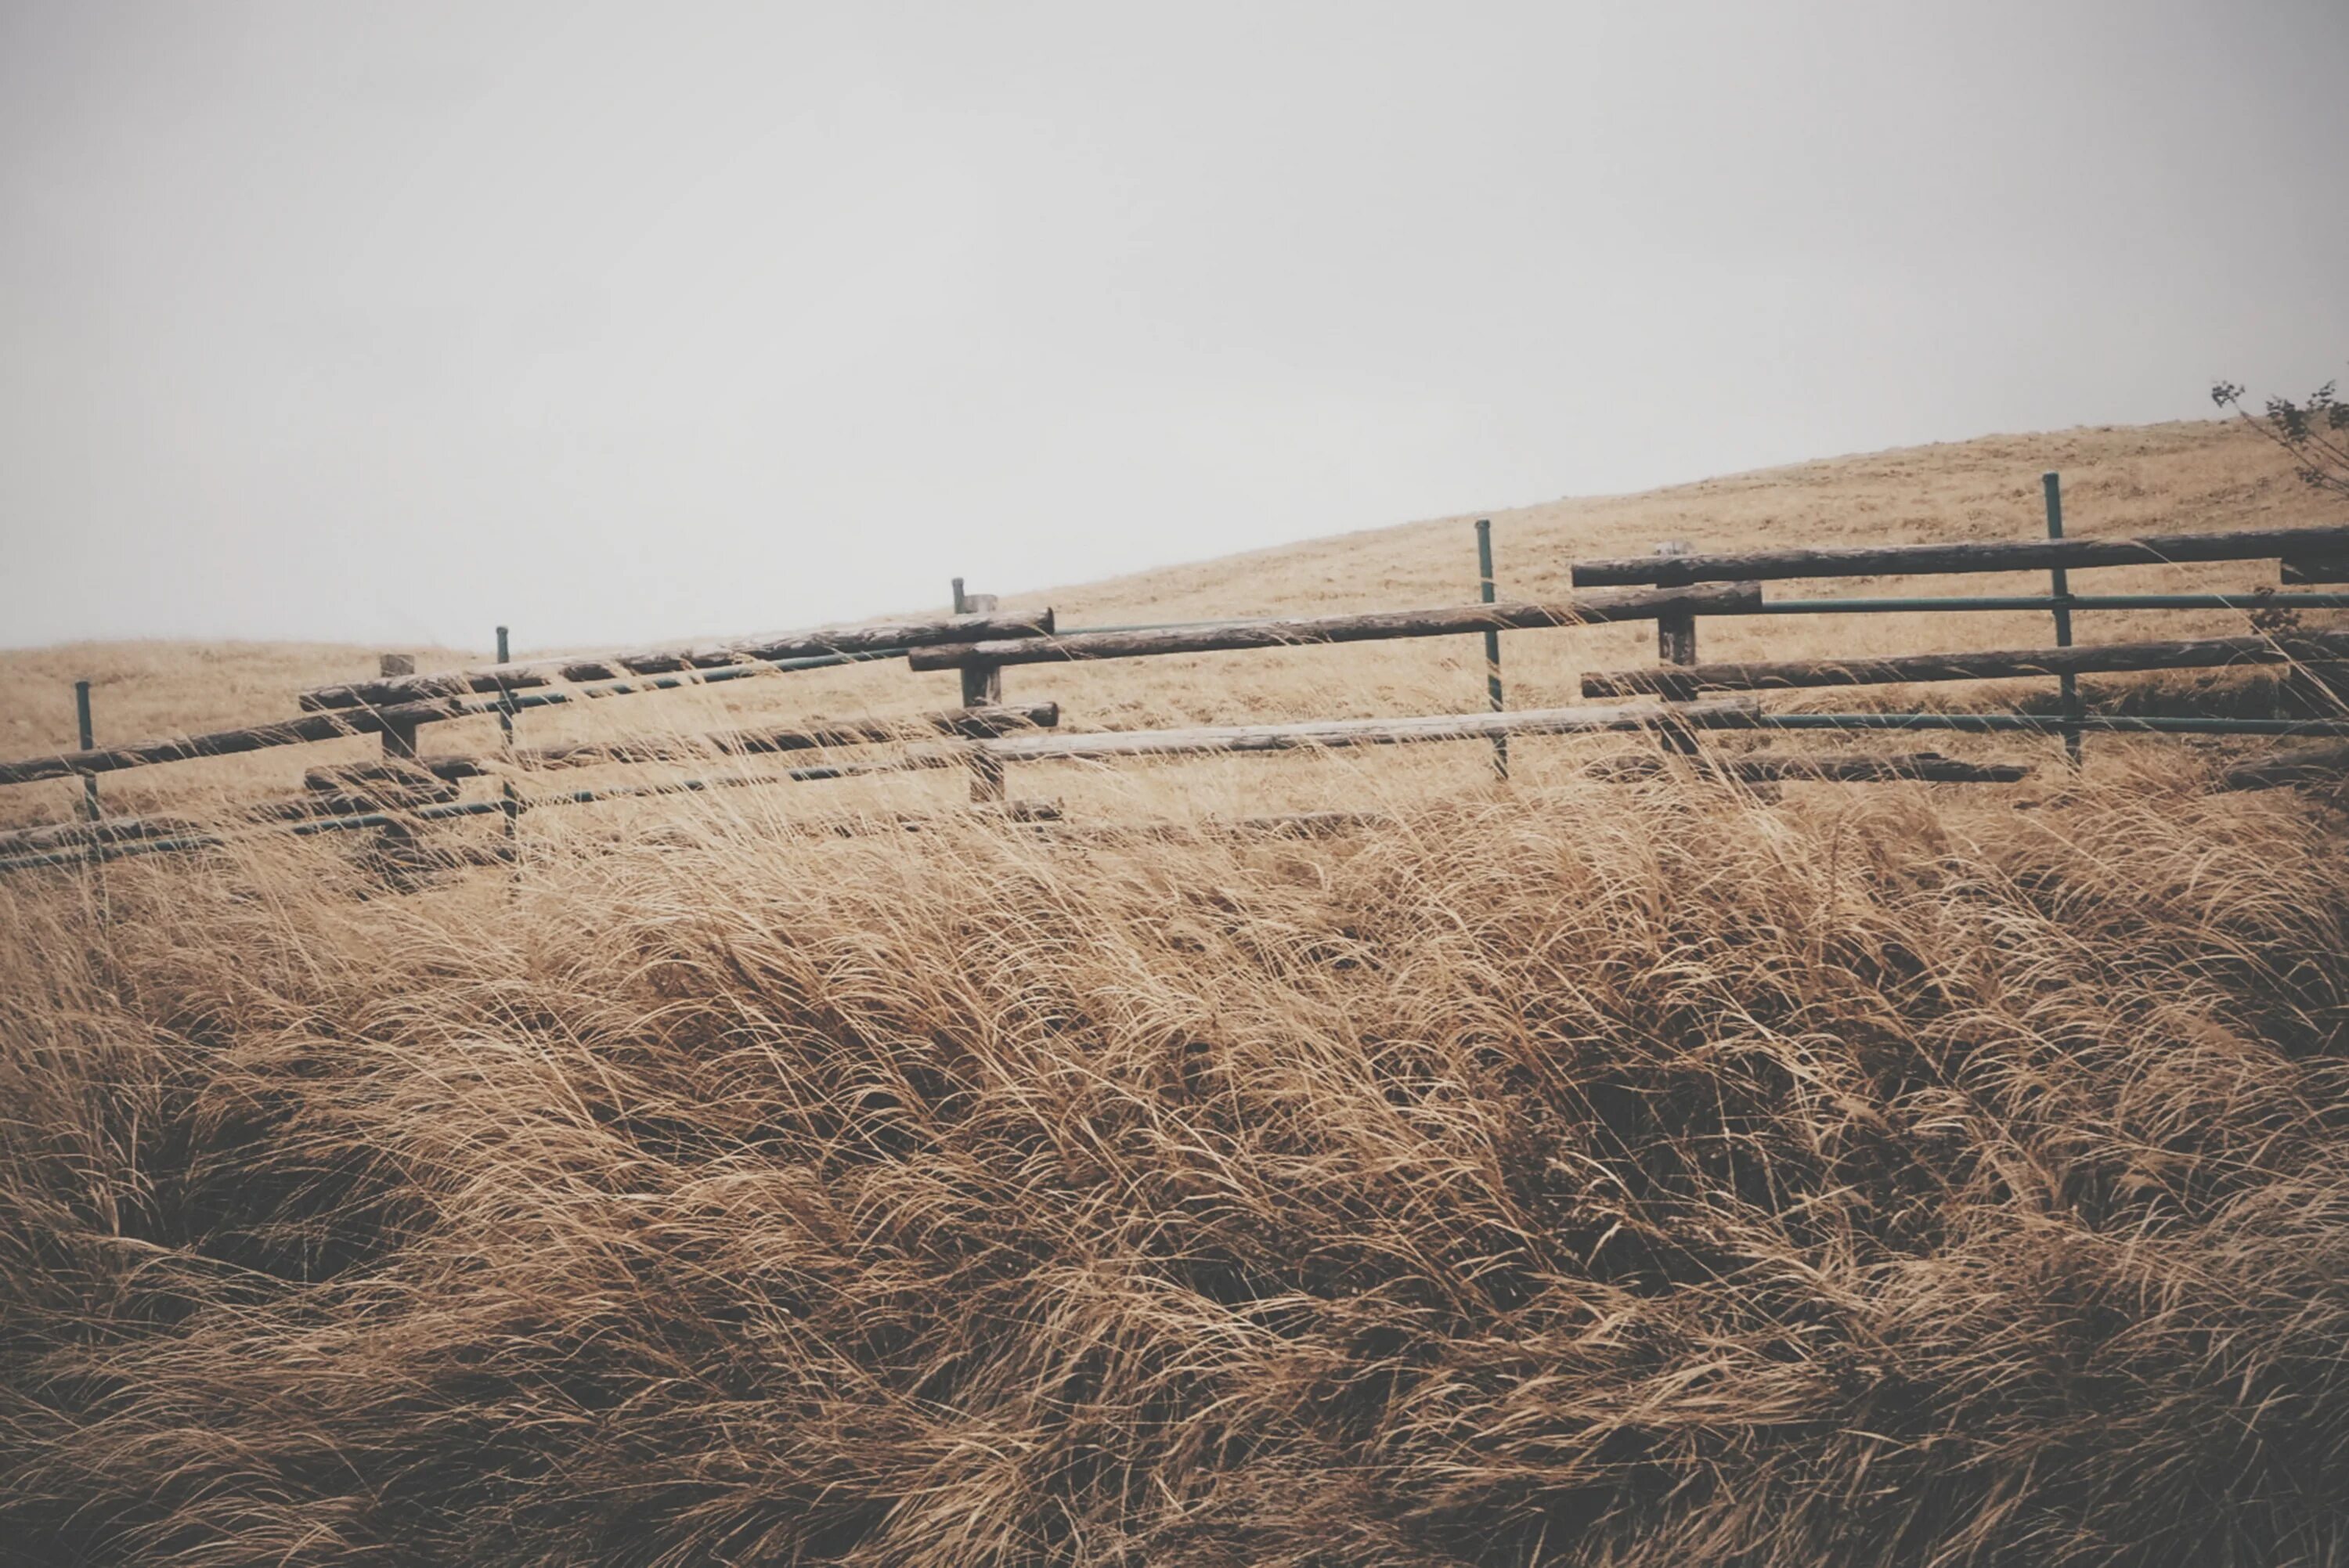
1926, 560
2008, 664
1727, 713
162, 837
823, 642
340, 724
1927, 766
2250, 599
2055, 724
1308, 631
232, 742
971, 723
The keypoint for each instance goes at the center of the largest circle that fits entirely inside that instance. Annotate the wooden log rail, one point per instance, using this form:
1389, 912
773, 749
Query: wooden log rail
1218, 637
969, 723
1923, 560
2303, 569
1279, 825
363, 791
1724, 713
337, 724
1990, 665
1830, 768
230, 742
305, 818
525, 674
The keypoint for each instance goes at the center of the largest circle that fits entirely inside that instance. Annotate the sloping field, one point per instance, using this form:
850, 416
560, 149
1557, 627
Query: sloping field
2172, 477
1557, 1172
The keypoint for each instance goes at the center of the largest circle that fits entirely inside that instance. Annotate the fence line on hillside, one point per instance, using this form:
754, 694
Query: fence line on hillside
1674, 587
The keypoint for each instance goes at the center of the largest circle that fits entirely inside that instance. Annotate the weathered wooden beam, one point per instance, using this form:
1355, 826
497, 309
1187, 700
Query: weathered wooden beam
2004, 664
230, 742
1374, 626
2305, 569
525, 674
1724, 713
311, 815
1827, 768
968, 723
338, 723
1282, 825
2015, 555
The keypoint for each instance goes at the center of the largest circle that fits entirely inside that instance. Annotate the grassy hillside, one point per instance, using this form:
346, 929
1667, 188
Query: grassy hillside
2117, 480
1554, 1173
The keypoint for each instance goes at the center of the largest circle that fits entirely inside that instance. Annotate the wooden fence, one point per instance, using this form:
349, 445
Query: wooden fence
1675, 588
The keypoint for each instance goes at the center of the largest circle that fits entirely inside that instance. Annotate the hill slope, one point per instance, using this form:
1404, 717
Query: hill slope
2117, 480
1557, 1173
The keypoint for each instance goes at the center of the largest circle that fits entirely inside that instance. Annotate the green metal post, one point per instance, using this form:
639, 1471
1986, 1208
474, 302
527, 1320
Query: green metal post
512, 801
2060, 585
88, 739
1491, 640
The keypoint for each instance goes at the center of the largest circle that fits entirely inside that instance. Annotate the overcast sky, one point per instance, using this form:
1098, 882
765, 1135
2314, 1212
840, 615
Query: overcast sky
386, 322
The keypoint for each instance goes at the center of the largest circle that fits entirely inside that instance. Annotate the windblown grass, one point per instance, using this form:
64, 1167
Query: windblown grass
1556, 1173
1580, 1176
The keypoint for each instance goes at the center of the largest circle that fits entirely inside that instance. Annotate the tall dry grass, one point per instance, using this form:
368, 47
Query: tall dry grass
1573, 1175
1554, 1173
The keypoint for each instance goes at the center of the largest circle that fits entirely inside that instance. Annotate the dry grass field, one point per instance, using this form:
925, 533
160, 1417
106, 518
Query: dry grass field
1553, 1173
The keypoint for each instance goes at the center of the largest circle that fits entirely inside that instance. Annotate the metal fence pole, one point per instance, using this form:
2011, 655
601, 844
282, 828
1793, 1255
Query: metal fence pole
1491, 640
2060, 586
88, 740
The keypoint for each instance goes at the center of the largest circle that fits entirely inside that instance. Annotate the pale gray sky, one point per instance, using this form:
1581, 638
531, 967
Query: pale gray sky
622, 322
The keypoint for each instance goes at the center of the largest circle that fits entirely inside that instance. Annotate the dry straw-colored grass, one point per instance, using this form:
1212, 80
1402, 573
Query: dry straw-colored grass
1581, 1177
1557, 1173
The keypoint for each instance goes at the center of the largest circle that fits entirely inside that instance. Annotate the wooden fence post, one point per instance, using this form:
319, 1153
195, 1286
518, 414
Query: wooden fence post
399, 856
1492, 643
507, 794
2323, 685
398, 740
982, 686
89, 742
1675, 639
2060, 588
